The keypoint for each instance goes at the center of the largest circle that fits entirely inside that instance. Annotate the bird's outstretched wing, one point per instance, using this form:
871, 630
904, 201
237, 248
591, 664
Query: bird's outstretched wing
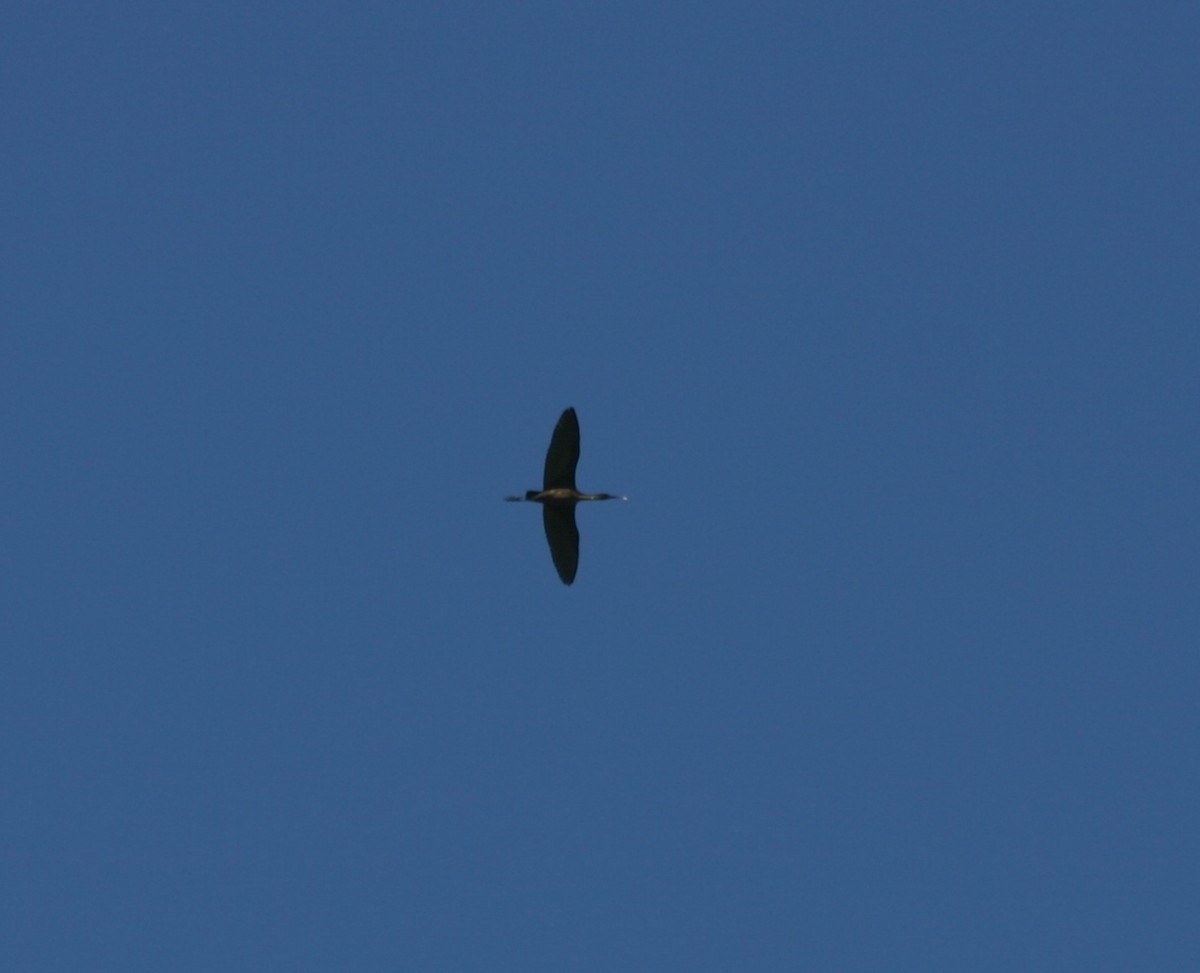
563, 454
563, 537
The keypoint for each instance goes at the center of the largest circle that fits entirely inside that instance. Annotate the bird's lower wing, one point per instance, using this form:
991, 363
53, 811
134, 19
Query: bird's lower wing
563, 537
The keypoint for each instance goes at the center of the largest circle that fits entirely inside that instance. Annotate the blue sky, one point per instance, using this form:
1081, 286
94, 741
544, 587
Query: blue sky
885, 318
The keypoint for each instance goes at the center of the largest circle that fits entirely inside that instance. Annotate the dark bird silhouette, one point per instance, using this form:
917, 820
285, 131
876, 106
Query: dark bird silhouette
558, 496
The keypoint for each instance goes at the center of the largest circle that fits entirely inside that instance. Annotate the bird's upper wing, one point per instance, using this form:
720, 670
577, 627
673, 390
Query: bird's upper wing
563, 454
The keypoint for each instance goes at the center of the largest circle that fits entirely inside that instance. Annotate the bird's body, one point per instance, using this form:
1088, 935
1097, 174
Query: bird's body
559, 496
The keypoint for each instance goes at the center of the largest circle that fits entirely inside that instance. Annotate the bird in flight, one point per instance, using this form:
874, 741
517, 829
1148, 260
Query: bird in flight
558, 496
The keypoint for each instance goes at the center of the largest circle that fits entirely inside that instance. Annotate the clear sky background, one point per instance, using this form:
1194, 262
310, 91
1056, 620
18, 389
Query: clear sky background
885, 316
